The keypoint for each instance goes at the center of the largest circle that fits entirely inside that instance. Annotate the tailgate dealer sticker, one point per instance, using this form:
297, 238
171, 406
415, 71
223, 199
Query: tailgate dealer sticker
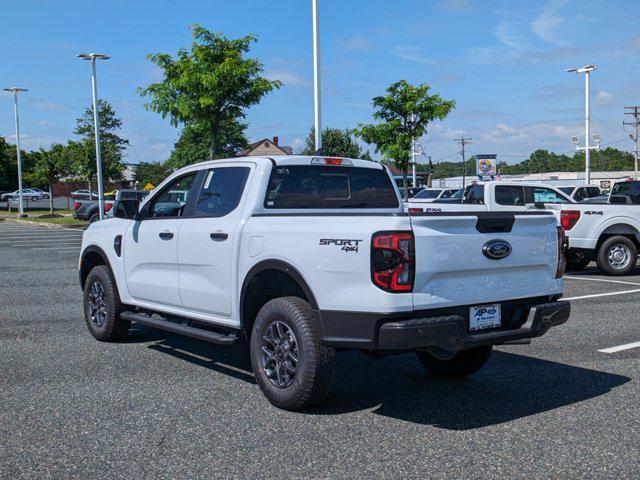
348, 245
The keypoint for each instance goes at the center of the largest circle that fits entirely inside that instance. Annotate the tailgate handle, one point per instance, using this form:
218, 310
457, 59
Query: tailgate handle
495, 224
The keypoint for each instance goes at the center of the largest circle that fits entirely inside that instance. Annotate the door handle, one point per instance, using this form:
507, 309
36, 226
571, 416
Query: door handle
166, 235
219, 236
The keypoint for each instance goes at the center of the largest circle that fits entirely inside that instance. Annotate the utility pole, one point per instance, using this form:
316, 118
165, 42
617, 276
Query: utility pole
463, 142
635, 123
316, 75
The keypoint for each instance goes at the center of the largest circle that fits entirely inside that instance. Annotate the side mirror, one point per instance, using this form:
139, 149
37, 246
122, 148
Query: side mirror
126, 209
620, 200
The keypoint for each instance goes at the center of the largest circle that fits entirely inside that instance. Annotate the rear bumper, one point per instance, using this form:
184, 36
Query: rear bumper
446, 329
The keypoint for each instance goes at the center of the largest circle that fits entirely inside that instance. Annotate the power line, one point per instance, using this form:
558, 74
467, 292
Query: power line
635, 123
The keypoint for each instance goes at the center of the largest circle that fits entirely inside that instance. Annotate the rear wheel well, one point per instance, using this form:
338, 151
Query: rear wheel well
619, 231
264, 286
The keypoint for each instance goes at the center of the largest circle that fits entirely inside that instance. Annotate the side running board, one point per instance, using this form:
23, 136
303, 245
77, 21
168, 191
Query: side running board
173, 327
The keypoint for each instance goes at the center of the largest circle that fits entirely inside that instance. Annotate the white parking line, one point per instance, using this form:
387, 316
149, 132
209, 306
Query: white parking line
619, 348
602, 294
600, 280
55, 235
41, 244
75, 249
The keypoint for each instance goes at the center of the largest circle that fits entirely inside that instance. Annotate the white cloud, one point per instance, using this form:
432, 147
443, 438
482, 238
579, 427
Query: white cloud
548, 25
287, 77
604, 98
412, 53
509, 34
358, 44
297, 144
44, 105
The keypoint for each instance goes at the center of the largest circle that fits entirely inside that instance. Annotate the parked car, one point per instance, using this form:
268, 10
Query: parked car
33, 194
607, 233
89, 210
581, 193
85, 194
307, 255
124, 194
427, 195
492, 197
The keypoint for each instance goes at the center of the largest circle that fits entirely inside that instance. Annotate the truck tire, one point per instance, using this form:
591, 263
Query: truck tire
292, 368
577, 260
102, 306
458, 365
94, 218
617, 255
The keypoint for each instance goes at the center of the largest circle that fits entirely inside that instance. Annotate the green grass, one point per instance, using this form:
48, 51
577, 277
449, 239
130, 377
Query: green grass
41, 216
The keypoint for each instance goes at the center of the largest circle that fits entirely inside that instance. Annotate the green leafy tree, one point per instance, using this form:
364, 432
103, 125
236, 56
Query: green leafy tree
195, 141
335, 143
404, 113
50, 166
211, 85
153, 173
83, 152
9, 165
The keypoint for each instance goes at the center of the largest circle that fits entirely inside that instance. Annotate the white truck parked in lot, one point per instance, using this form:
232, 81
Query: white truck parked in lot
306, 255
494, 196
607, 233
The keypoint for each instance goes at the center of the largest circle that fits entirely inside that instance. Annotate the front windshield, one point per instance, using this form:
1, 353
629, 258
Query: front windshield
428, 194
567, 190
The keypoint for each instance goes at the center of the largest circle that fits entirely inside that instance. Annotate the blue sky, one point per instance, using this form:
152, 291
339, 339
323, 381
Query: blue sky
502, 62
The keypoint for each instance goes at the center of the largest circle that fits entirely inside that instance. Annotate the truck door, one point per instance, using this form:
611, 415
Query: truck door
151, 245
209, 240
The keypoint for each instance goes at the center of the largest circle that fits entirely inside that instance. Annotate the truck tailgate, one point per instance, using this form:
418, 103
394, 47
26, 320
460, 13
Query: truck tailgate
451, 268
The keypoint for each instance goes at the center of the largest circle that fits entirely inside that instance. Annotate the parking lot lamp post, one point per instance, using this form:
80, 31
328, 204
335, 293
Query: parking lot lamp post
586, 70
92, 57
15, 91
316, 75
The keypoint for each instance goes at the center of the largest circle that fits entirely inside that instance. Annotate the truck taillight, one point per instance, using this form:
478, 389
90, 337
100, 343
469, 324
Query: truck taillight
562, 252
569, 218
393, 261
76, 205
107, 207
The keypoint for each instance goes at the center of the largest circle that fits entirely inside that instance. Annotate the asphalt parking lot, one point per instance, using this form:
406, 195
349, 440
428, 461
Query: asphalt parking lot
163, 406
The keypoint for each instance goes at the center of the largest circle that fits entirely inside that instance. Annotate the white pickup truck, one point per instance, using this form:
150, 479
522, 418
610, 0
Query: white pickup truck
607, 233
305, 255
494, 196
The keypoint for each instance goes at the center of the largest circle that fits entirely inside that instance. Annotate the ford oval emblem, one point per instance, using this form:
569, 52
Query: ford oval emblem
496, 249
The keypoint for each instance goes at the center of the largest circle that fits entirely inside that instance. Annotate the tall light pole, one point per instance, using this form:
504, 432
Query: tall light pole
15, 91
316, 75
92, 57
586, 70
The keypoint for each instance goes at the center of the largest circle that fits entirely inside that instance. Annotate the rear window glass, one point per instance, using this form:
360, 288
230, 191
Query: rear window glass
428, 194
319, 186
629, 189
510, 195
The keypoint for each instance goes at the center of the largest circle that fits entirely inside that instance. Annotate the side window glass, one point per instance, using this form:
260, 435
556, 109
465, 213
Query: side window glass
475, 195
509, 195
172, 200
221, 191
546, 195
579, 195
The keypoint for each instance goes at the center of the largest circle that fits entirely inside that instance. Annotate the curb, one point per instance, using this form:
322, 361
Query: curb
42, 224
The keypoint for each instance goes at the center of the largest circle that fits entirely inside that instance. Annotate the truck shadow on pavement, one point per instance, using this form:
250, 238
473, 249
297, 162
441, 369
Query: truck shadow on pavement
509, 387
